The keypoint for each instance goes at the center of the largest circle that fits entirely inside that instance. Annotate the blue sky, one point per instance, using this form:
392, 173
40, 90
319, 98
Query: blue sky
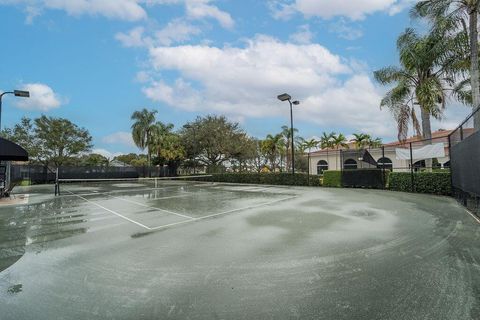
96, 61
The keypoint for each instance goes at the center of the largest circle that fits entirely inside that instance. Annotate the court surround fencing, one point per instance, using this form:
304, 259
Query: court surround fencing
464, 144
39, 174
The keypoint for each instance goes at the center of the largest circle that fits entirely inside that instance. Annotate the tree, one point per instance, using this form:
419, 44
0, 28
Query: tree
217, 140
309, 145
94, 160
287, 142
422, 79
361, 140
374, 142
142, 130
24, 135
455, 15
271, 146
131, 157
59, 139
339, 141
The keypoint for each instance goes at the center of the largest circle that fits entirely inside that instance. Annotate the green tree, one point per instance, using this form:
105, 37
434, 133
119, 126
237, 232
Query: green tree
271, 146
422, 79
216, 140
309, 145
129, 158
23, 134
361, 140
94, 160
142, 130
59, 139
455, 16
339, 141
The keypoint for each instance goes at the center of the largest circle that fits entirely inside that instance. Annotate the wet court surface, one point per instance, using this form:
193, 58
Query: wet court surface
218, 251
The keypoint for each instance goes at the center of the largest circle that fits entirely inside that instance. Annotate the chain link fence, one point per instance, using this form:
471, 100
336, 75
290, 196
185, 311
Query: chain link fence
465, 154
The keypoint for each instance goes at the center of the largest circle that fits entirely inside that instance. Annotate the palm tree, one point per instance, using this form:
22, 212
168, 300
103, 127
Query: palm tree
454, 16
144, 123
327, 142
309, 145
374, 142
287, 134
421, 80
270, 146
361, 140
159, 132
339, 141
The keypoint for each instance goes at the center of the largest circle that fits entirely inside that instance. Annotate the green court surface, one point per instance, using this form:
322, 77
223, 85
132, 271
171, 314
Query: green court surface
223, 251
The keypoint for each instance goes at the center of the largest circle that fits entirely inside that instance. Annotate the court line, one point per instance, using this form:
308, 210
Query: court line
111, 211
472, 215
158, 209
223, 213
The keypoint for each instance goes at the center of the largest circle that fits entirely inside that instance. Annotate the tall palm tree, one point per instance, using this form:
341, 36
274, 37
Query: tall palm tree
374, 142
326, 142
287, 134
339, 141
309, 145
422, 79
454, 16
159, 133
144, 123
361, 140
270, 146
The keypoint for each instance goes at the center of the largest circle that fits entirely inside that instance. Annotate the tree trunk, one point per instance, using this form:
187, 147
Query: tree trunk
475, 79
426, 134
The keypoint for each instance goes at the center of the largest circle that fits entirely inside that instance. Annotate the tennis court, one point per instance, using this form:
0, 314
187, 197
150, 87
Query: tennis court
197, 250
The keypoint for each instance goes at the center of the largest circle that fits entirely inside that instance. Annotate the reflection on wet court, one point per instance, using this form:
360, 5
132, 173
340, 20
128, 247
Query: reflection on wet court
204, 251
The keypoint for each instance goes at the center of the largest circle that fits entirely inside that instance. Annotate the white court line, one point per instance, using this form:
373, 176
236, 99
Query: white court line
473, 216
158, 209
111, 211
223, 213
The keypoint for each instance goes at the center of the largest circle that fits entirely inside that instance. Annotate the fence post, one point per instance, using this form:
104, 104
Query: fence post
451, 167
411, 168
383, 167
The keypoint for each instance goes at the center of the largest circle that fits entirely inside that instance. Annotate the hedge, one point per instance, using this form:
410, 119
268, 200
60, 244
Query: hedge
288, 179
424, 182
332, 178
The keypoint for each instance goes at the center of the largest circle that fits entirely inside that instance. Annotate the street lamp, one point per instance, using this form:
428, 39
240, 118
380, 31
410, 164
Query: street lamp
287, 97
187, 126
16, 93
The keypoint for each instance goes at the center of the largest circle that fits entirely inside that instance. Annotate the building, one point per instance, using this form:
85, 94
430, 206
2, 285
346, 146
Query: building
387, 155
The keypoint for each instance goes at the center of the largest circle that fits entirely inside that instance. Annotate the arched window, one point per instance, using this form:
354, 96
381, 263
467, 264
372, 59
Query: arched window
350, 164
322, 165
385, 163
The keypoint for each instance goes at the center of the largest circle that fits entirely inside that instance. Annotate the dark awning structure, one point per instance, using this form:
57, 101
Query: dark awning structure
10, 151
360, 155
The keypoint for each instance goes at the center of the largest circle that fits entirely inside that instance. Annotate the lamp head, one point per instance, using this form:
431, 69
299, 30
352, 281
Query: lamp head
20, 93
284, 97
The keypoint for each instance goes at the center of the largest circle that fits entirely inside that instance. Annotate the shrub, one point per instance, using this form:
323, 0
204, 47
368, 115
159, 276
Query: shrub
288, 179
424, 182
332, 178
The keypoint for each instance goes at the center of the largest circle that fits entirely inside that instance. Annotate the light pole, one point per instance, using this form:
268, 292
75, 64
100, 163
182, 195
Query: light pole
16, 93
287, 97
187, 126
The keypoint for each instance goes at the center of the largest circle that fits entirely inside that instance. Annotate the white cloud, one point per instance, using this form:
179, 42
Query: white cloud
243, 82
352, 9
134, 38
303, 35
121, 137
345, 31
42, 98
176, 31
129, 10
199, 9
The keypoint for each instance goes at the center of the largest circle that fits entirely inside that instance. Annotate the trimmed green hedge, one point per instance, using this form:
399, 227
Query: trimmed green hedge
332, 178
288, 179
425, 182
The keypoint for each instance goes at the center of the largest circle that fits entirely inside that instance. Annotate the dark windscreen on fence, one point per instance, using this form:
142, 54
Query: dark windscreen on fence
465, 162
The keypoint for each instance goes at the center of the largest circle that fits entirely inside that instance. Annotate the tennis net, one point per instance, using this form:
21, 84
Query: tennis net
95, 186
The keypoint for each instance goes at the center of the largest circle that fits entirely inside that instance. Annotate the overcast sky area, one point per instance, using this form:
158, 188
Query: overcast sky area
96, 61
